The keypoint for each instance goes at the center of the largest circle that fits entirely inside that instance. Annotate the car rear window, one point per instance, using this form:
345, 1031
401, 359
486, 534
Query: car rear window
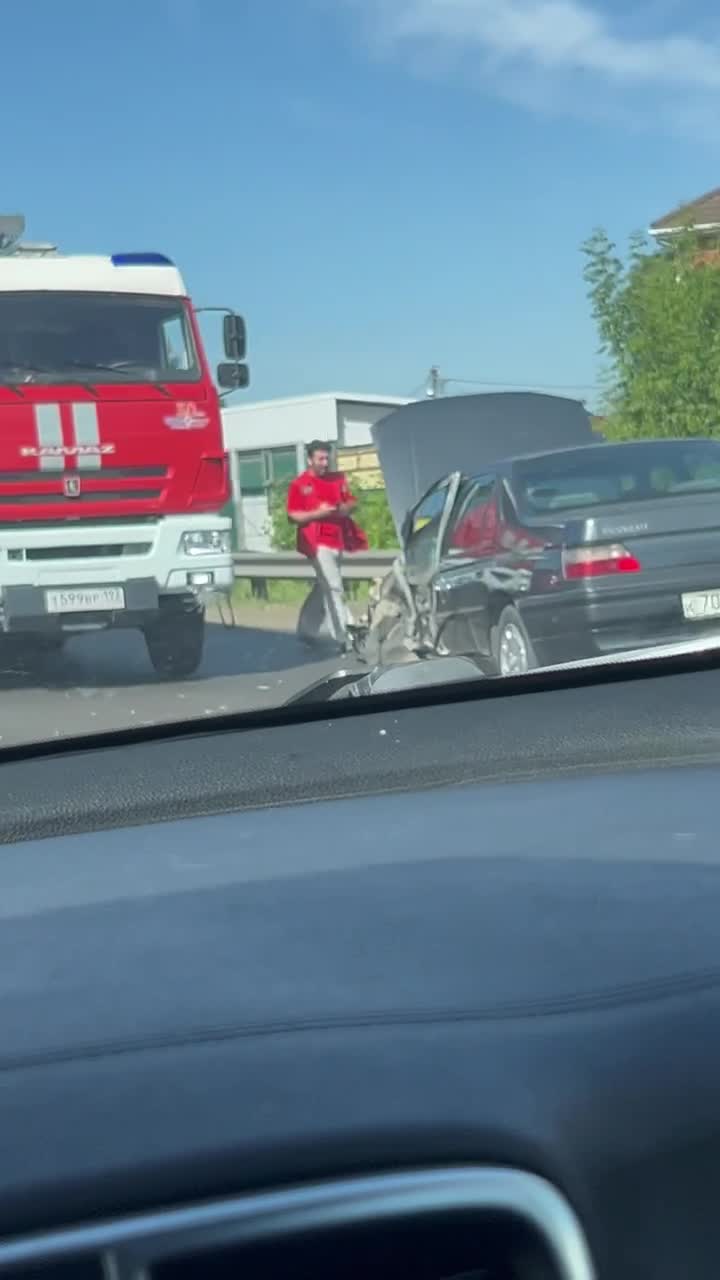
610, 474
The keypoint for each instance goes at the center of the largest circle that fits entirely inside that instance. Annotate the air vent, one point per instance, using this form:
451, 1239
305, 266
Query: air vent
451, 1224
72, 1269
468, 1246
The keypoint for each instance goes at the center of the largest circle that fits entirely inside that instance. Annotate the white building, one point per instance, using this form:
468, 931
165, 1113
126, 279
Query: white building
266, 442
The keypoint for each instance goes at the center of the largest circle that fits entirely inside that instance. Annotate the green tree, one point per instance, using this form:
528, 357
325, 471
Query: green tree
372, 514
282, 533
658, 318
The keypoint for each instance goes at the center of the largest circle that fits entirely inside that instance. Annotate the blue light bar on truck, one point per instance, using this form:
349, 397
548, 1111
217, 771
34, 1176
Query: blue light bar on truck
141, 260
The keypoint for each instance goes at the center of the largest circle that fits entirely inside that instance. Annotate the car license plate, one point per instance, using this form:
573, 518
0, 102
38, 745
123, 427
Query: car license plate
698, 605
84, 599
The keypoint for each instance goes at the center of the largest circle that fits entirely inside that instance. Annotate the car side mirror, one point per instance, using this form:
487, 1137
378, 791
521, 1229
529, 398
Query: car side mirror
233, 377
406, 528
234, 337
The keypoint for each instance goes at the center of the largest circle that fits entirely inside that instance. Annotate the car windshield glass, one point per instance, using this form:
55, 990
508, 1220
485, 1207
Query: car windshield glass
610, 475
347, 408
54, 337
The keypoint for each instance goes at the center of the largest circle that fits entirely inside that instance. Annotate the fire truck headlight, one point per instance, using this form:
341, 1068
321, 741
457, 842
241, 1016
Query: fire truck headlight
205, 542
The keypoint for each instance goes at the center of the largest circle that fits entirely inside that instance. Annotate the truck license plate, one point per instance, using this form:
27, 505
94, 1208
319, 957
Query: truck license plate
698, 605
84, 599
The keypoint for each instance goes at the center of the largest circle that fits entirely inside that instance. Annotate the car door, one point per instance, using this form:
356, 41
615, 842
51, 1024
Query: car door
423, 539
466, 572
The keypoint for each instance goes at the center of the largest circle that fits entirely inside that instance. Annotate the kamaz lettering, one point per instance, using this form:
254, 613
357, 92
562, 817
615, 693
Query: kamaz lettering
64, 450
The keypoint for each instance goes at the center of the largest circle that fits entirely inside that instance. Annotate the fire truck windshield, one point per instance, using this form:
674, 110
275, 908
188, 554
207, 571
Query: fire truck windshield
55, 337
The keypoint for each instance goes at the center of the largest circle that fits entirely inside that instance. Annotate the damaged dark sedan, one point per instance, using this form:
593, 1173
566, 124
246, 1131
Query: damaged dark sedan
556, 556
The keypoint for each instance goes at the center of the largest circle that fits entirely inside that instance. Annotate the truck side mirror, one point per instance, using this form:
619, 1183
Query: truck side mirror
234, 337
233, 377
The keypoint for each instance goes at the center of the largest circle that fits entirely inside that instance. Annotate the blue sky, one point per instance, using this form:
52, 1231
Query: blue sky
377, 184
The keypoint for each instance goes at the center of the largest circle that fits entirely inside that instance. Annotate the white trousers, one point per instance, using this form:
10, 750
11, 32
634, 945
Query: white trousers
325, 615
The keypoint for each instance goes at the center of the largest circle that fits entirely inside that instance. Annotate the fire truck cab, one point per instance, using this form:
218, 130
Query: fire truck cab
113, 471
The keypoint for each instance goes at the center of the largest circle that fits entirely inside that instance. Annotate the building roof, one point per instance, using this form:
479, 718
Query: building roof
346, 397
87, 274
703, 214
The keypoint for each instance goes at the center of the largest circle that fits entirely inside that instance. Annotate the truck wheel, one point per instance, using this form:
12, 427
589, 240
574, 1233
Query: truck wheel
512, 650
175, 645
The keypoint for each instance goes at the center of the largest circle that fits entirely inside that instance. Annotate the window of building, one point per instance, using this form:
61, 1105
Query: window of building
251, 473
282, 465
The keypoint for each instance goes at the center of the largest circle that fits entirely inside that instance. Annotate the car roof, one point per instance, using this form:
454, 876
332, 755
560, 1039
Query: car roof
506, 464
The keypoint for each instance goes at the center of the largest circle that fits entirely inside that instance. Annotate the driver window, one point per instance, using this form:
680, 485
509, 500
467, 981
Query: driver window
425, 519
475, 531
424, 531
175, 350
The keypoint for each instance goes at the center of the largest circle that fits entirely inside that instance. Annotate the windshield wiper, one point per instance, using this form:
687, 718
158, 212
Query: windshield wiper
25, 366
127, 370
68, 371
44, 370
95, 367
394, 678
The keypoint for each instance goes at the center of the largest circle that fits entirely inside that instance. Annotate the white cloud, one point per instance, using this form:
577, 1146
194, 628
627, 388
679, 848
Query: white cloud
539, 50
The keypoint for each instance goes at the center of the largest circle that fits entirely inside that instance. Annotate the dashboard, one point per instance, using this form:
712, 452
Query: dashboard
427, 989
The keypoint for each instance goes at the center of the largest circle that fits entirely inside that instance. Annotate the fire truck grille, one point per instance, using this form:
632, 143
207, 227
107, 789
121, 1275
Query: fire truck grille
99, 551
106, 484
103, 473
91, 495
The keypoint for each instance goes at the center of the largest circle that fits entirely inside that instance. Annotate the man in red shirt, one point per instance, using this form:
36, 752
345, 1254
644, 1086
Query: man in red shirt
320, 503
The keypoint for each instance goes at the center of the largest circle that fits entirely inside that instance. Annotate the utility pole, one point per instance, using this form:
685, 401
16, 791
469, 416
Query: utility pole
12, 226
435, 385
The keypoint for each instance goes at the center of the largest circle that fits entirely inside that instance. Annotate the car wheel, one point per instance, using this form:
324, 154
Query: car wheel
513, 653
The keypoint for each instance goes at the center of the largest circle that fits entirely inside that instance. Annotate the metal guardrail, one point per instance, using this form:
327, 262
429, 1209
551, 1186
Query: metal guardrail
267, 565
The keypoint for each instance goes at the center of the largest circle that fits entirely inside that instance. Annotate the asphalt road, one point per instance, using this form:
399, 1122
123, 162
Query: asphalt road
104, 681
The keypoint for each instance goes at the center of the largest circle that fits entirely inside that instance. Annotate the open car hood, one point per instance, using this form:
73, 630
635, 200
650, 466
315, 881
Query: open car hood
425, 440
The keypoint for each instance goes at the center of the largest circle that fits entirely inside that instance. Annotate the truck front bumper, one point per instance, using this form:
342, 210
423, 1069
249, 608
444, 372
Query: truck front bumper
96, 575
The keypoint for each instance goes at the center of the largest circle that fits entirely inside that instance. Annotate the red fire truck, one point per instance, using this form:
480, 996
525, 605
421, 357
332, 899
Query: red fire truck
113, 471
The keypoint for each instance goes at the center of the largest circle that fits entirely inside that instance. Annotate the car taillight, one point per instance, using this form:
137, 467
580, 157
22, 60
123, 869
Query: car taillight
597, 562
